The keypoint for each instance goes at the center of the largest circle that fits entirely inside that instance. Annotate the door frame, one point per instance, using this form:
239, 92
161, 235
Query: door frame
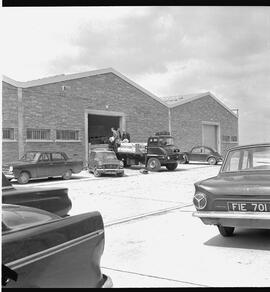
122, 123
218, 133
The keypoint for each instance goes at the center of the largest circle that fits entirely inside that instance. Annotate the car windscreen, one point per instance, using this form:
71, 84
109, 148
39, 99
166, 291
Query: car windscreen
248, 159
30, 156
106, 155
166, 141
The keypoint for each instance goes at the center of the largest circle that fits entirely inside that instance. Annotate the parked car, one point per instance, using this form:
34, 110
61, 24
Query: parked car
202, 154
48, 251
52, 199
239, 196
41, 164
105, 162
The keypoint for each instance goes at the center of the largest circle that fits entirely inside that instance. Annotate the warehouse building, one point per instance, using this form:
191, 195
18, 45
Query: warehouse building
75, 112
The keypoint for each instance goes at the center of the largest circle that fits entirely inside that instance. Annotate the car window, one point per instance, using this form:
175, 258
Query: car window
44, 157
22, 218
248, 159
57, 156
153, 141
197, 150
207, 151
30, 156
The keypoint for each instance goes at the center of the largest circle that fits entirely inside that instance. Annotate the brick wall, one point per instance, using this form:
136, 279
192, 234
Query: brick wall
186, 122
48, 107
10, 120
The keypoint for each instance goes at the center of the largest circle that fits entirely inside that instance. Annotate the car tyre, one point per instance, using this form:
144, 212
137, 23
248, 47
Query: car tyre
212, 160
23, 178
225, 230
96, 173
67, 174
172, 166
153, 164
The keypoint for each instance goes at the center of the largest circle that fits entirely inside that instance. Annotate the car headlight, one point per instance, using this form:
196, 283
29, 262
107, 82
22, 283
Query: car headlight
11, 168
200, 200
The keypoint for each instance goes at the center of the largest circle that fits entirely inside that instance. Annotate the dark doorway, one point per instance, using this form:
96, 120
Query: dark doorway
99, 128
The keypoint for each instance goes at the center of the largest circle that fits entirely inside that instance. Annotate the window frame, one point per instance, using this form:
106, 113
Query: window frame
40, 131
63, 132
8, 139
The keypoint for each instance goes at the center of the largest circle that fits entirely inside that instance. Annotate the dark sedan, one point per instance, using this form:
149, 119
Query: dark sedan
239, 196
42, 164
202, 154
52, 199
41, 249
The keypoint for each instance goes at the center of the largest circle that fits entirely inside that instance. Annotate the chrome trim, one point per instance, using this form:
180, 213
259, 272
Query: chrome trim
51, 251
108, 282
232, 215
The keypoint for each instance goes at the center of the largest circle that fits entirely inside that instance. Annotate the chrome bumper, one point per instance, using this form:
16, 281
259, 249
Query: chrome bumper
240, 219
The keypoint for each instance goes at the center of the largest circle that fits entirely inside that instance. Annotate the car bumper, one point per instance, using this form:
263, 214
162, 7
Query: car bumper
110, 171
9, 175
235, 219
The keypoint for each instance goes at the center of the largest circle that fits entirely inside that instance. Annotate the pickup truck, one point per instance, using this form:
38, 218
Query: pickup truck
158, 151
42, 164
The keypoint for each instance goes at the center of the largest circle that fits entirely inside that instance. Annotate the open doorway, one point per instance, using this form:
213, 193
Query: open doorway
99, 128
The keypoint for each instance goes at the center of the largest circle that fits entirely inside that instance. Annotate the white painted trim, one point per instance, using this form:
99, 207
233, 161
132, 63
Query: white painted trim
201, 95
64, 77
218, 133
9, 140
104, 113
67, 141
30, 141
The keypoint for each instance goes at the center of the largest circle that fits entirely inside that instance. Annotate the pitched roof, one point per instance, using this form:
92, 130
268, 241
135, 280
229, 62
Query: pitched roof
176, 100
66, 77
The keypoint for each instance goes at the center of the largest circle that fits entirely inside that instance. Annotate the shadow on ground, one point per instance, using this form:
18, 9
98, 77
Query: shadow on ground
243, 238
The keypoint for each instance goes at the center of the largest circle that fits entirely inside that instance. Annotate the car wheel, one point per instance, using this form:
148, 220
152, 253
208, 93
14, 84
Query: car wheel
172, 166
225, 230
153, 164
96, 173
67, 174
212, 161
120, 174
23, 178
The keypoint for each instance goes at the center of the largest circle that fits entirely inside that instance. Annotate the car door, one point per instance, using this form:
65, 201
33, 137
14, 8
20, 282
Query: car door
43, 165
58, 164
197, 154
56, 253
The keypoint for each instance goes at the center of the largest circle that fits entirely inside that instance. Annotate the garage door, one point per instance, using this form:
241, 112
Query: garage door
210, 137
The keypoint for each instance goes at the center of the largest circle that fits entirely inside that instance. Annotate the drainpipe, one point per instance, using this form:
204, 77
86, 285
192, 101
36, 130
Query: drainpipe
169, 116
20, 122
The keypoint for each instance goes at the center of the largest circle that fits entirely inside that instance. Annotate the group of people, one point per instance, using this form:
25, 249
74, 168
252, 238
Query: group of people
118, 137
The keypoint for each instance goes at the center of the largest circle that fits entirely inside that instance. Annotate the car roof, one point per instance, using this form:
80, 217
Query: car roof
251, 145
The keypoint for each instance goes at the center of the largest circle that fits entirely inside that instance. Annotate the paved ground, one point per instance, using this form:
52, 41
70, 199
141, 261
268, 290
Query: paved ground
151, 238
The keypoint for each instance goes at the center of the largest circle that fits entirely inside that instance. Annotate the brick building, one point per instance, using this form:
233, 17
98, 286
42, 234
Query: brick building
74, 112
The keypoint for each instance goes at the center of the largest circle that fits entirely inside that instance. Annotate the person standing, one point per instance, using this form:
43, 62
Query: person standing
126, 136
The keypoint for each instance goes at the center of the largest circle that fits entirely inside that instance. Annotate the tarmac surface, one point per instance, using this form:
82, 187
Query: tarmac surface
152, 239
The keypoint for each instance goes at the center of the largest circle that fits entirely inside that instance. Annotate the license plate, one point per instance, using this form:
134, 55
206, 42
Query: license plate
249, 206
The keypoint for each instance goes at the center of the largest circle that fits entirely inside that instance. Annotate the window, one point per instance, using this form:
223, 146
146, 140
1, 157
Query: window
67, 135
207, 151
57, 156
234, 138
38, 134
197, 150
8, 133
225, 138
44, 157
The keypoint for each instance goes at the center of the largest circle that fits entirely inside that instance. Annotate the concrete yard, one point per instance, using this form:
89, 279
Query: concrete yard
151, 238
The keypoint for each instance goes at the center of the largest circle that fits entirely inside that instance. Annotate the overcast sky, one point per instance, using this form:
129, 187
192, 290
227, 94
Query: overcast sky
166, 50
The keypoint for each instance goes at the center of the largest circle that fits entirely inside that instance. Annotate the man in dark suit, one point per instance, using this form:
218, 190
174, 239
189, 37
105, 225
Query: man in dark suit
125, 135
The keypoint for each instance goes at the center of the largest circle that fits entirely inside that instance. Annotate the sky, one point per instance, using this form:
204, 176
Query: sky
168, 50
